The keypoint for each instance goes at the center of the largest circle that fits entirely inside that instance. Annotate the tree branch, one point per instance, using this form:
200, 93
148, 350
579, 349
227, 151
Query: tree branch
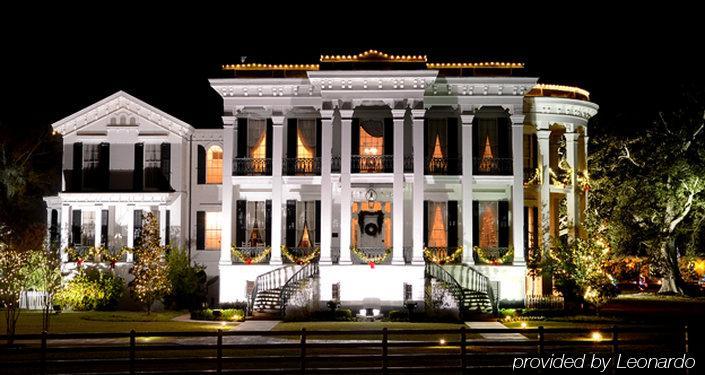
686, 209
627, 155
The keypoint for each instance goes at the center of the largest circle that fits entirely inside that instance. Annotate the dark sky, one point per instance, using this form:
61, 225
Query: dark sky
631, 62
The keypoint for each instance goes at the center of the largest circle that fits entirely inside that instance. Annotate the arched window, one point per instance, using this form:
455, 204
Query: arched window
214, 165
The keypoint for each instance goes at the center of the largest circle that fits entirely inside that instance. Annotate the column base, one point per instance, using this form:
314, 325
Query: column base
275, 262
418, 261
520, 263
470, 263
327, 261
398, 262
225, 263
345, 262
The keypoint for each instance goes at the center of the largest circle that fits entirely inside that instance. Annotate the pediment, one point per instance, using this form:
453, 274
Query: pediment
122, 110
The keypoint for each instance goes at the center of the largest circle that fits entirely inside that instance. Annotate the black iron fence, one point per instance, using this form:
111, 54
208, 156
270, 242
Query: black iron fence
372, 164
302, 167
361, 351
443, 166
492, 166
252, 167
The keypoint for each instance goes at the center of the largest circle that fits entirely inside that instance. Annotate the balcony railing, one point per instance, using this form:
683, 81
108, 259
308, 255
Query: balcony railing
492, 166
443, 166
532, 176
302, 167
372, 164
252, 167
409, 164
335, 164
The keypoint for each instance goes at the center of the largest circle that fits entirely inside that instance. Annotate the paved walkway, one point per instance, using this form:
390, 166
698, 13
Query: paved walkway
257, 325
495, 336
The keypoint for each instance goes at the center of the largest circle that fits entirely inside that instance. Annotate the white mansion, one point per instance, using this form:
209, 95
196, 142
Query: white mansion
372, 167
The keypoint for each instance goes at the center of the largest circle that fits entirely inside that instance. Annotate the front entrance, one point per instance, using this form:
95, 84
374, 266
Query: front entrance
371, 231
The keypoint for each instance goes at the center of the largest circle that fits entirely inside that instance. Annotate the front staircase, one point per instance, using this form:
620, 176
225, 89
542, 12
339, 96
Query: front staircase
472, 290
274, 288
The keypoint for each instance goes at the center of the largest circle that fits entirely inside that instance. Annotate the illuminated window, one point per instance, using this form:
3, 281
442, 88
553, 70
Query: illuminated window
370, 145
437, 217
152, 166
489, 225
306, 139
213, 227
257, 138
214, 165
88, 228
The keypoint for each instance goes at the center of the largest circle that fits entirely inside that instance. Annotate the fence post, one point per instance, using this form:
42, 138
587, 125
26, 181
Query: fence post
685, 339
220, 351
43, 364
463, 349
541, 338
303, 350
385, 350
132, 351
615, 340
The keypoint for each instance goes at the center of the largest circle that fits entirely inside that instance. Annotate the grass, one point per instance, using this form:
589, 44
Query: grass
353, 326
655, 297
107, 321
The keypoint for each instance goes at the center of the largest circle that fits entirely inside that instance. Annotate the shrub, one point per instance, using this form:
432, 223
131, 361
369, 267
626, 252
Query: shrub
188, 282
91, 290
240, 305
226, 315
398, 316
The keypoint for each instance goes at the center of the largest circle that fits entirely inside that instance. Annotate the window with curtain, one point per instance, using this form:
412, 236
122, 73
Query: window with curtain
214, 165
371, 138
255, 226
437, 144
306, 139
487, 138
213, 228
257, 138
489, 224
88, 227
152, 165
91, 162
305, 224
437, 219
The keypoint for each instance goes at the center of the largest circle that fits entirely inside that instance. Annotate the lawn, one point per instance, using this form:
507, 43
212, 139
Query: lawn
108, 321
353, 326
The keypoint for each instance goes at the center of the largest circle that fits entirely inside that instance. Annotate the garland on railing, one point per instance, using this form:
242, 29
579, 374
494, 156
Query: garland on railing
371, 260
536, 177
507, 258
247, 259
301, 259
441, 257
584, 180
99, 254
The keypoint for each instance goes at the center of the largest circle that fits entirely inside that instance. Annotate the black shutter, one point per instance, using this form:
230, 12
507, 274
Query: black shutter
77, 172
268, 222
534, 151
426, 151
242, 137
503, 223
290, 223
317, 232
138, 174
104, 165
452, 225
54, 227
291, 135
167, 226
535, 214
389, 143
166, 164
136, 227
201, 169
475, 223
504, 147
475, 142
319, 133
452, 138
200, 230
240, 221
268, 143
526, 228
76, 228
104, 227
354, 145
425, 223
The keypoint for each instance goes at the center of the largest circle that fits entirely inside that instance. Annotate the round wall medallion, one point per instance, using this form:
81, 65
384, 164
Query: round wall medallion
371, 195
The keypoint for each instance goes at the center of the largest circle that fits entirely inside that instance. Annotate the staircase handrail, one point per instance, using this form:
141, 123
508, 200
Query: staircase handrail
478, 281
288, 289
263, 282
437, 272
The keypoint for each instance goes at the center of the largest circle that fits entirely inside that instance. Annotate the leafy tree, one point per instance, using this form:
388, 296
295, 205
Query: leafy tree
44, 274
649, 188
188, 282
150, 271
91, 289
13, 276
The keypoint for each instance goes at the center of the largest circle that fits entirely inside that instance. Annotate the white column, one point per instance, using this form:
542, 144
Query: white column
162, 225
543, 137
518, 189
585, 165
345, 191
571, 196
97, 226
467, 185
65, 230
326, 186
398, 189
277, 148
418, 181
226, 206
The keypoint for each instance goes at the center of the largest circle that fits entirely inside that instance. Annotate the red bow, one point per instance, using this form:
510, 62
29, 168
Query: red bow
372, 264
248, 261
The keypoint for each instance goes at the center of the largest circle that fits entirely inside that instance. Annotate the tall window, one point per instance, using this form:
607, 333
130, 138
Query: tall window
306, 139
255, 225
88, 228
213, 228
257, 138
370, 145
152, 165
214, 165
489, 224
438, 234
305, 223
91, 162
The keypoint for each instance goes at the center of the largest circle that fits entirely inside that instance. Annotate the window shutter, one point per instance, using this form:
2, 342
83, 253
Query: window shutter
389, 143
77, 174
319, 132
534, 151
268, 222
137, 226
201, 170
526, 228
200, 230
453, 137
167, 225
291, 130
242, 137
452, 225
475, 223
537, 225
504, 146
138, 174
475, 142
426, 151
240, 221
503, 235
104, 163
54, 228
290, 223
268, 144
104, 227
425, 223
354, 145
317, 232
165, 162
76, 227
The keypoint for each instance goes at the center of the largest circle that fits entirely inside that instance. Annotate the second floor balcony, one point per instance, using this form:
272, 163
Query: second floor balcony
372, 164
443, 166
492, 166
301, 167
252, 167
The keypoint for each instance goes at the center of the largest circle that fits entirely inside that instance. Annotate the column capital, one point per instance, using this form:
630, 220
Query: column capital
327, 114
399, 113
543, 134
346, 114
572, 137
229, 121
418, 113
278, 120
467, 119
517, 119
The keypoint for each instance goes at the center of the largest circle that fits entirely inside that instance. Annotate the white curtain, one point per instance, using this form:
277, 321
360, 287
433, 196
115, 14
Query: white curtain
255, 221
437, 224
307, 134
256, 131
305, 212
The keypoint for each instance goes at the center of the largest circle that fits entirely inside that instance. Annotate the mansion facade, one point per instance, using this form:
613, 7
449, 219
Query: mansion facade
369, 166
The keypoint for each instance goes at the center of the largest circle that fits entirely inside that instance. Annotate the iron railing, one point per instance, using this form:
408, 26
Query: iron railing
439, 273
293, 283
492, 166
443, 166
273, 279
470, 278
252, 167
335, 164
301, 167
372, 164
409, 164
